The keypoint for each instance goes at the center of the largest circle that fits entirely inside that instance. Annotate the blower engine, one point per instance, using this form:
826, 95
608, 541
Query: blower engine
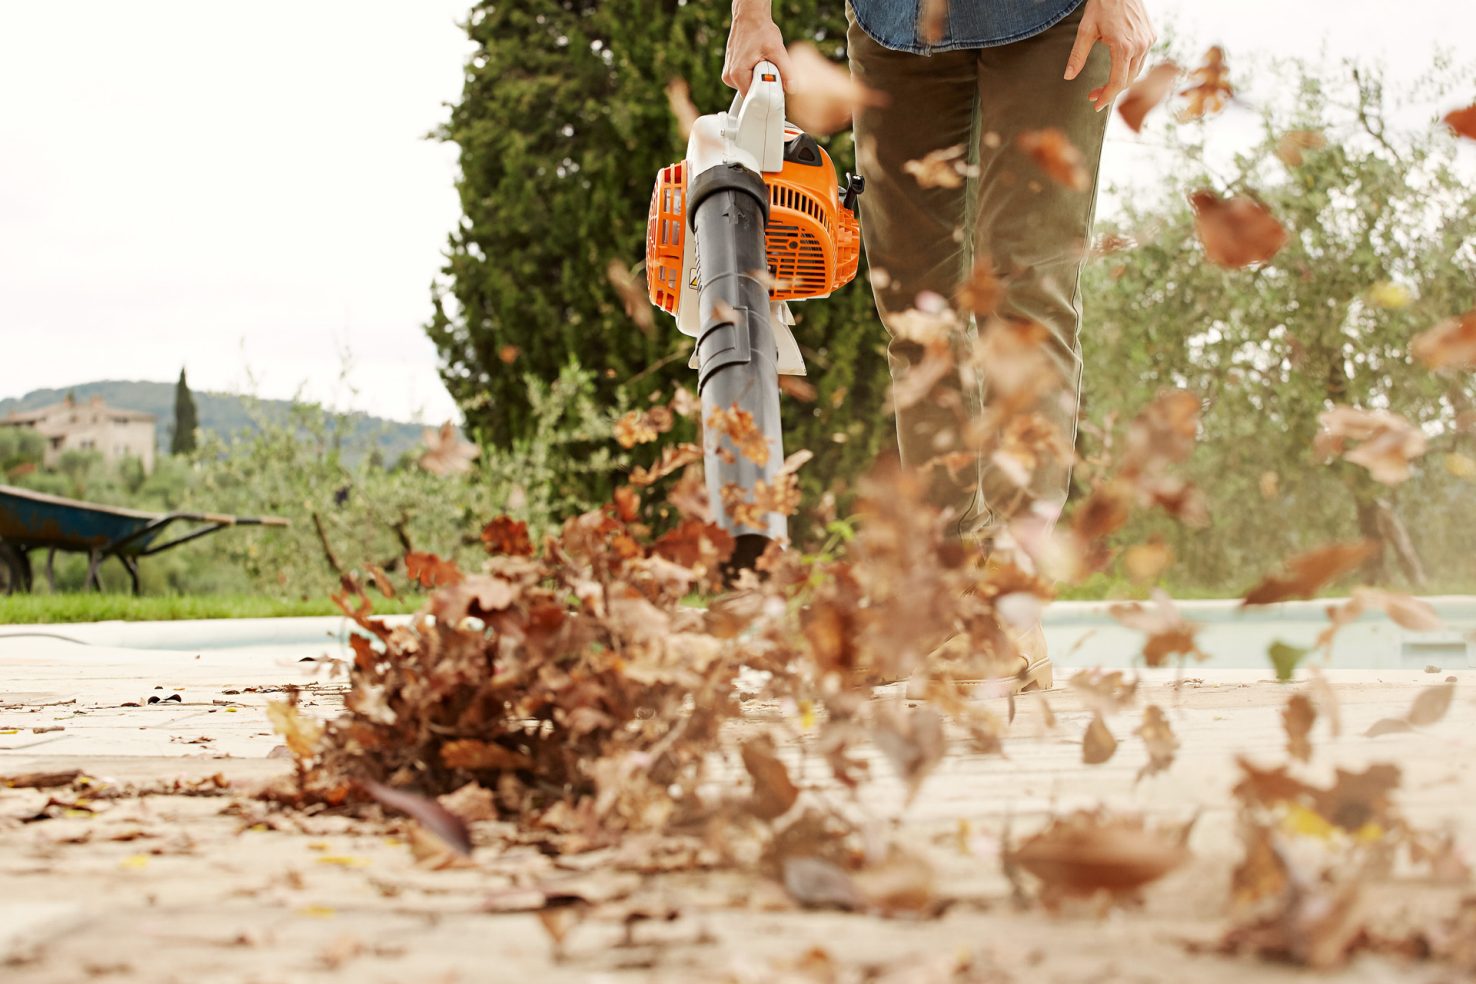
751, 220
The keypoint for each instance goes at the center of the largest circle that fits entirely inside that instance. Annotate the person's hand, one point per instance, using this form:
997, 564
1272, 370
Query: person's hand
1122, 25
754, 37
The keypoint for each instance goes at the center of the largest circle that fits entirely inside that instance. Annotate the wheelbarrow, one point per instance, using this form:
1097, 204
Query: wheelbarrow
31, 521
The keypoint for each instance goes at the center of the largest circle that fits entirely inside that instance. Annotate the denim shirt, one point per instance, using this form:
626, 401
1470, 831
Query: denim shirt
897, 24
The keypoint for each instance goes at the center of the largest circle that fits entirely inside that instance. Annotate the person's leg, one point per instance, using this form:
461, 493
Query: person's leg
1037, 231
915, 237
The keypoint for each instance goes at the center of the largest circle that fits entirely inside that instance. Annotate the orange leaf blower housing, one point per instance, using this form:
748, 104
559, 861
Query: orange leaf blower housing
812, 241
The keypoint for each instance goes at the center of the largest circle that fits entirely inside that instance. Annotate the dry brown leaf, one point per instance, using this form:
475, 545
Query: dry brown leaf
1291, 145
1309, 572
1211, 89
427, 812
946, 167
674, 457
634, 297
1450, 344
821, 95
1103, 691
1143, 95
1462, 121
933, 20
773, 791
1093, 851
301, 733
1404, 610
1386, 442
1237, 231
1297, 717
474, 755
912, 741
471, 803
1387, 726
1160, 740
505, 535
797, 387
683, 110
446, 453
1054, 152
817, 883
1326, 700
1169, 633
1146, 562
982, 293
1097, 744
1430, 705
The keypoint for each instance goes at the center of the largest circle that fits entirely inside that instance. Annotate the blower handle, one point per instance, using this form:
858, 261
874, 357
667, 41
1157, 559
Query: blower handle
753, 134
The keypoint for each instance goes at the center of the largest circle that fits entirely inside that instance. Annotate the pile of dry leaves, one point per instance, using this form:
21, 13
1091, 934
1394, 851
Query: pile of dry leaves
570, 686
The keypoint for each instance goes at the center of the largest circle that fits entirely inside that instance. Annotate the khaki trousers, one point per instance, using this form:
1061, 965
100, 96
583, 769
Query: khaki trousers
924, 240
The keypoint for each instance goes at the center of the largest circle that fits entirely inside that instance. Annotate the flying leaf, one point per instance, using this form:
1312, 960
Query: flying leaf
634, 297
1309, 572
1430, 705
817, 883
1057, 156
301, 734
505, 535
773, 791
1285, 657
1462, 121
1211, 88
913, 742
933, 20
683, 110
1097, 744
821, 94
1388, 726
1386, 442
1146, 93
1237, 231
1089, 852
1451, 344
426, 811
1291, 145
946, 167
446, 453
1159, 739
1297, 717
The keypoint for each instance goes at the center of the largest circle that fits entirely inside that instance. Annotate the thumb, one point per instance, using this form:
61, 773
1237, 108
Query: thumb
1086, 36
780, 57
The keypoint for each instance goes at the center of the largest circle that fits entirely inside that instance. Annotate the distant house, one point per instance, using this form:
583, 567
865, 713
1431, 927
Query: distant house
92, 426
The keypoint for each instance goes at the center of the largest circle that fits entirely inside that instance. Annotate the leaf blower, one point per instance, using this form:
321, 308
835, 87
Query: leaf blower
750, 220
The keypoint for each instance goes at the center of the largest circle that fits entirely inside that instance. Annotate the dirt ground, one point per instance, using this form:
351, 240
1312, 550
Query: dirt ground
195, 881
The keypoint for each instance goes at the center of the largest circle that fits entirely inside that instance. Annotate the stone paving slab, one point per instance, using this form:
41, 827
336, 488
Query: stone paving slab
167, 888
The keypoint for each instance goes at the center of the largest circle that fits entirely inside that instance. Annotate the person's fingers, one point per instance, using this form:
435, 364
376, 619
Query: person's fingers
1086, 36
1118, 80
780, 58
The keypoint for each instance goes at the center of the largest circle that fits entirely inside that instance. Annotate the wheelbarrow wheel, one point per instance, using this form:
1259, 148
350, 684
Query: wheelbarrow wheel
15, 571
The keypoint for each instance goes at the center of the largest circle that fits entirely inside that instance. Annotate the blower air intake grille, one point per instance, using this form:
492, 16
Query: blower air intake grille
665, 233
813, 243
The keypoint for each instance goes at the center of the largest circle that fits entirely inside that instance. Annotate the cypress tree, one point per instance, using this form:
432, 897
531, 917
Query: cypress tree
186, 421
562, 125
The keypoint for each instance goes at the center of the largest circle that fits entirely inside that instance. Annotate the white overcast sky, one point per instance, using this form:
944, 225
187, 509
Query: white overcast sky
244, 188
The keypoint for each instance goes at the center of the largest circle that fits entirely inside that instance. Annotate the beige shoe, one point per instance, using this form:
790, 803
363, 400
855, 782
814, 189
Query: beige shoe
1035, 672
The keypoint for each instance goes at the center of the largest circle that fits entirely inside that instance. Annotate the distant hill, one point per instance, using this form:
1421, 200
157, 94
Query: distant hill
222, 413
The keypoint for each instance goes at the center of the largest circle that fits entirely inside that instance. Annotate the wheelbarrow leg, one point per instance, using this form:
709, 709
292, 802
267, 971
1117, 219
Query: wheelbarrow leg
51, 569
94, 559
130, 564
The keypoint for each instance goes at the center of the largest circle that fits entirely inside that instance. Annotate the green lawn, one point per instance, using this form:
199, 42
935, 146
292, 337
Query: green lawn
32, 609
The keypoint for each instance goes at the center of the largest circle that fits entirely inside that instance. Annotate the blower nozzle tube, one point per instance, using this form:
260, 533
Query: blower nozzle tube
728, 209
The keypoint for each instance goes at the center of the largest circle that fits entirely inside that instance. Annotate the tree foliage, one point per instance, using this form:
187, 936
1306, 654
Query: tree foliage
186, 418
562, 125
1382, 245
